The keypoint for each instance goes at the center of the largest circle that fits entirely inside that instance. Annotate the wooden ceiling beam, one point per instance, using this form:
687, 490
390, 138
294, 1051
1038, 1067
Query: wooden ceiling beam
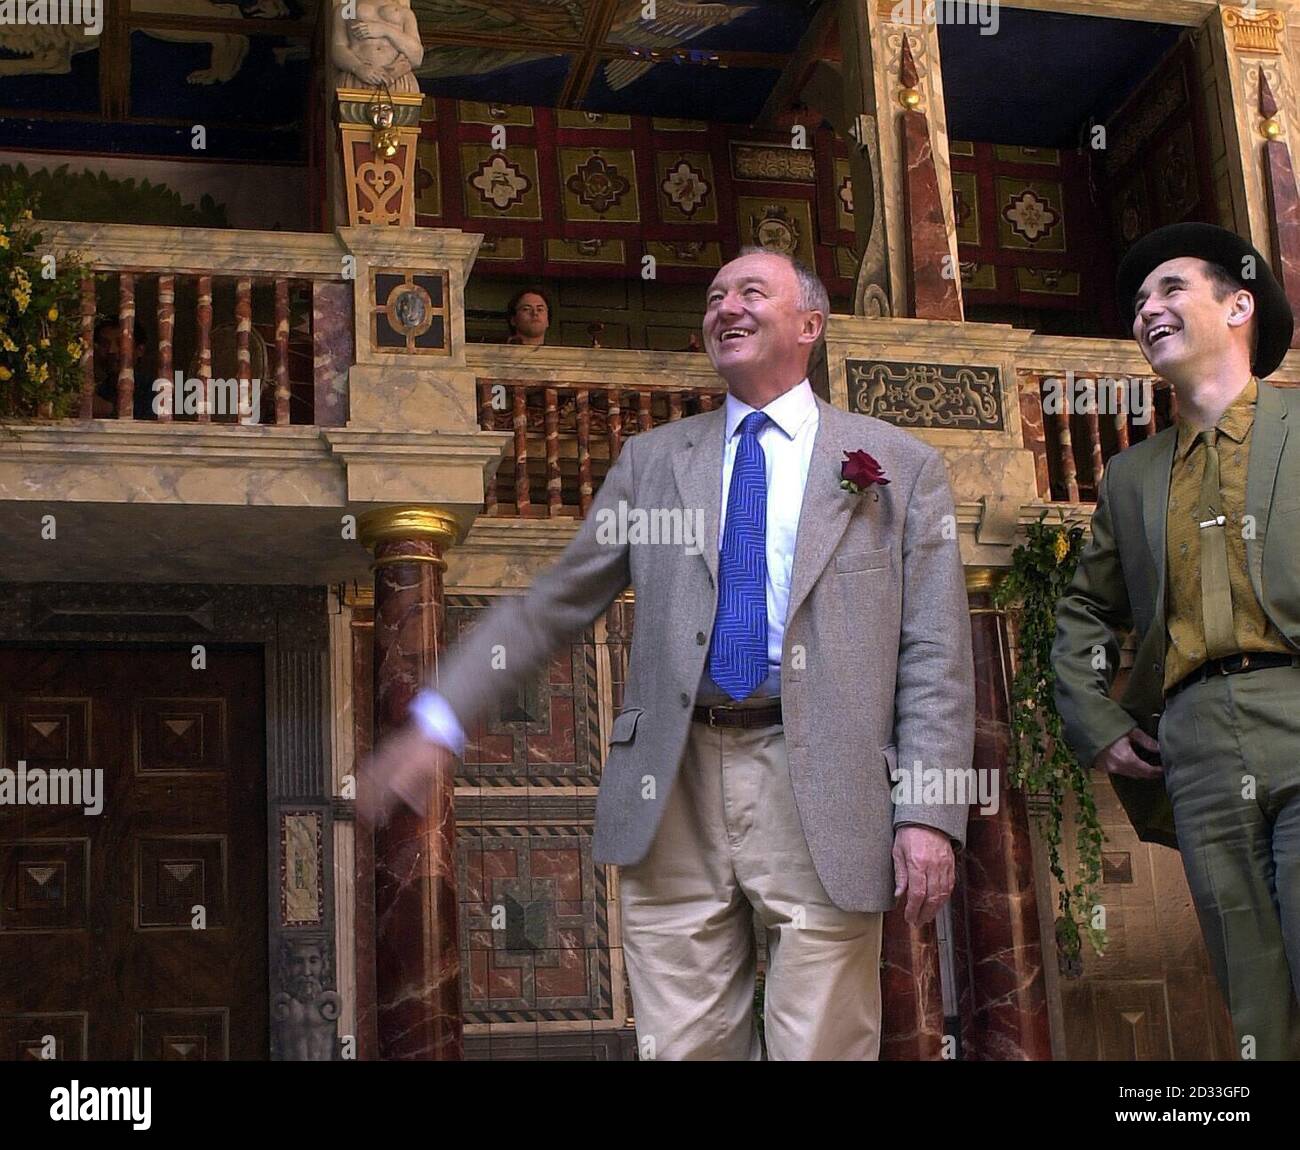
810, 49
115, 66
143, 21
584, 67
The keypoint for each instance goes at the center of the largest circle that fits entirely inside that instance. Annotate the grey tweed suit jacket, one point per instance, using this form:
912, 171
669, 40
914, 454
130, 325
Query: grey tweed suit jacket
876, 669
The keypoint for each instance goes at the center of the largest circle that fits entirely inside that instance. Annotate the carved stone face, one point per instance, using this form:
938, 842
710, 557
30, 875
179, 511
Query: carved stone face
304, 969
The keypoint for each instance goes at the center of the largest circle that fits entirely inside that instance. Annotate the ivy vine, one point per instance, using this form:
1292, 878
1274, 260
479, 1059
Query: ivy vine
1041, 762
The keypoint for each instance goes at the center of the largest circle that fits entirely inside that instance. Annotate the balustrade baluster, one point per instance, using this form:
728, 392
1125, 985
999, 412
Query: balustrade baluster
520, 398
281, 352
203, 321
87, 410
126, 346
584, 451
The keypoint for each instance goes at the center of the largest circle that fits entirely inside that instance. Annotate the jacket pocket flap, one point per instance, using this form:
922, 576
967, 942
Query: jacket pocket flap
625, 725
876, 560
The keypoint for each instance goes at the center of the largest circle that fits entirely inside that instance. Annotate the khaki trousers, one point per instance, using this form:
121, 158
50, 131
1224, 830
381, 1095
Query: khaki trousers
1231, 748
731, 847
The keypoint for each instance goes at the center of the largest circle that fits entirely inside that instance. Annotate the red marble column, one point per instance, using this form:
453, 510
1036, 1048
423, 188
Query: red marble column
1000, 955
1283, 201
1033, 434
362, 602
332, 351
417, 954
932, 275
911, 1025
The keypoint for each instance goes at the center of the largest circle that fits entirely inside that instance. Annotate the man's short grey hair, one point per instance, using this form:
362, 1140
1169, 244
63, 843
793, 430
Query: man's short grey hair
812, 292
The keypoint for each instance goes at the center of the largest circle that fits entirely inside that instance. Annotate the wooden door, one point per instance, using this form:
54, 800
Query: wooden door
138, 932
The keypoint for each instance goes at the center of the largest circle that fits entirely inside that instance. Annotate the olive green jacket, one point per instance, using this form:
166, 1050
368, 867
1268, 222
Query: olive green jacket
1120, 586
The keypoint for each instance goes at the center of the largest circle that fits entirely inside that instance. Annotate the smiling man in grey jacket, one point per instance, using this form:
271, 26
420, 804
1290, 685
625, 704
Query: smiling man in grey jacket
787, 669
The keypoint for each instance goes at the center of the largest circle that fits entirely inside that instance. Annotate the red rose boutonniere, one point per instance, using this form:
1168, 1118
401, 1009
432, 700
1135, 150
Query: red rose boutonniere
860, 471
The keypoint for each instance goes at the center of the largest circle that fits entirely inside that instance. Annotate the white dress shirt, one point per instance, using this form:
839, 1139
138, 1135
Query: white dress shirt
787, 443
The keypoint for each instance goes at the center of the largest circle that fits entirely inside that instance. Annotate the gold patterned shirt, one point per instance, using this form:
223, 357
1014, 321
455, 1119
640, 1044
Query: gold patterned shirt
1185, 650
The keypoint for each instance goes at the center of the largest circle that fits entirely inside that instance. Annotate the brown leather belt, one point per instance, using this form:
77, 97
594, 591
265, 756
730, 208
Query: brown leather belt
1233, 665
766, 715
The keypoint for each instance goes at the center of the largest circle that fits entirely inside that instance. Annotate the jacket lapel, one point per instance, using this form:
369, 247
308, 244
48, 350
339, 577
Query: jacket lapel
697, 468
1155, 510
826, 507
1266, 443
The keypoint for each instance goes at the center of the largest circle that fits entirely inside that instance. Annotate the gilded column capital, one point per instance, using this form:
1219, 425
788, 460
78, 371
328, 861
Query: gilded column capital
396, 524
984, 579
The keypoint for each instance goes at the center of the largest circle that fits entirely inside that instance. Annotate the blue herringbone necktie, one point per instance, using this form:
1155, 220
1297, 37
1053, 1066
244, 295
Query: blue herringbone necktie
738, 653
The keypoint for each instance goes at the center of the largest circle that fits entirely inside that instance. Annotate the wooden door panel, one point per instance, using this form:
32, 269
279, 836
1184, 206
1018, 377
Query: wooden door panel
138, 932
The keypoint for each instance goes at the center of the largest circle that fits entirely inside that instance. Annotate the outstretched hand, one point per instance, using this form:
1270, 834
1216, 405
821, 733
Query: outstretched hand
399, 772
924, 871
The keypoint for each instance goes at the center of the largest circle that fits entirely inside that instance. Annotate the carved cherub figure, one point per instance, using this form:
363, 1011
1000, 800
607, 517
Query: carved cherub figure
376, 42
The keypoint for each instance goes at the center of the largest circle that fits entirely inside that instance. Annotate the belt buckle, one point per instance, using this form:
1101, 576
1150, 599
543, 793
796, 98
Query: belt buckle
713, 722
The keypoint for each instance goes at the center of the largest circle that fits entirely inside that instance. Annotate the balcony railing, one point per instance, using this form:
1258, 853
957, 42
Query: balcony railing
568, 427
233, 320
235, 310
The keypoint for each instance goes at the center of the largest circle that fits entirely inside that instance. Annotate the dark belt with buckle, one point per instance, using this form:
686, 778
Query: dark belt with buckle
1233, 665
766, 715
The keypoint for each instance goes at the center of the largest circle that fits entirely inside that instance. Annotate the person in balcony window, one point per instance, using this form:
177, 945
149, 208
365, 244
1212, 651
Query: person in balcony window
1195, 541
108, 365
529, 315
801, 658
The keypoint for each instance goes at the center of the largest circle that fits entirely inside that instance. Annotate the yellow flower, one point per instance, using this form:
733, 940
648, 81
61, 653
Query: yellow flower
74, 350
43, 342
52, 314
4, 241
5, 373
7, 343
27, 215
1060, 548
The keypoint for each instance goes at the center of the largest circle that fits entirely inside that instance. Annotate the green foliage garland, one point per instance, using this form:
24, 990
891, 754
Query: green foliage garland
1041, 762
40, 321
95, 197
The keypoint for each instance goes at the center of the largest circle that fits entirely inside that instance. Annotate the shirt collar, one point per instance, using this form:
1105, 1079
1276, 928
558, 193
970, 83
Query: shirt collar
1235, 422
788, 410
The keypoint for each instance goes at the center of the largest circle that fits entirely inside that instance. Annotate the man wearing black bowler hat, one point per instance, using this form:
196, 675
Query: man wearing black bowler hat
1196, 544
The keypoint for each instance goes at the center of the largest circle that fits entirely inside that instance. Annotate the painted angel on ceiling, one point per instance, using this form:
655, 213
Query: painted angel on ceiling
675, 23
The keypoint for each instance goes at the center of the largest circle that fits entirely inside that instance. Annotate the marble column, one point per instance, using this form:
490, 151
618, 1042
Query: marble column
1283, 199
417, 955
333, 351
1033, 433
1002, 987
362, 601
932, 290
1248, 43
911, 1025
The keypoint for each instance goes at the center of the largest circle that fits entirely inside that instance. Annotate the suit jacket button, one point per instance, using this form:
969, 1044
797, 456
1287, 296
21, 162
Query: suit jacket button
699, 638
686, 699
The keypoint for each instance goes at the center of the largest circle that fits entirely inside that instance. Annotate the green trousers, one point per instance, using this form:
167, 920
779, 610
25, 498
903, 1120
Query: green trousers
1231, 748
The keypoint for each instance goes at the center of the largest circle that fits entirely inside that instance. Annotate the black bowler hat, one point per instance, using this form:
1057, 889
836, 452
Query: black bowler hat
1218, 246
